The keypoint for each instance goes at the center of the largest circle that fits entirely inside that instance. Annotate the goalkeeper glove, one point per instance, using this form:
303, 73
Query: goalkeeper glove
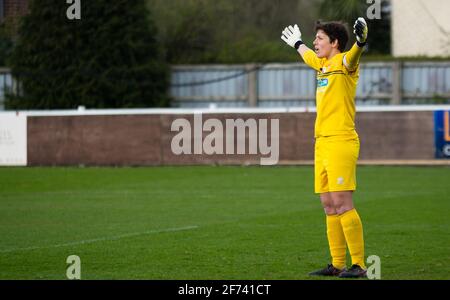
361, 30
292, 36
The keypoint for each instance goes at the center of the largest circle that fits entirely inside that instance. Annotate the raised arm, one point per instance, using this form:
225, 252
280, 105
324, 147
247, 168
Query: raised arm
351, 59
293, 37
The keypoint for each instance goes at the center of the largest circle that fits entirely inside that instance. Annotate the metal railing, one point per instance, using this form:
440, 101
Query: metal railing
274, 85
294, 84
7, 84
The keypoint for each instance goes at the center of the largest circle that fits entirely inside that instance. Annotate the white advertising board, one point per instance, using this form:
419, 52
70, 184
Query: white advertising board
13, 139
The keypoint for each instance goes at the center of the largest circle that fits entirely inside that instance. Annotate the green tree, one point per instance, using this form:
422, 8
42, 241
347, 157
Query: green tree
108, 59
6, 45
224, 31
8, 34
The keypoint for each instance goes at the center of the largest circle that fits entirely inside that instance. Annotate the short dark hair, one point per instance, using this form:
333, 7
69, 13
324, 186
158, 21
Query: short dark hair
335, 31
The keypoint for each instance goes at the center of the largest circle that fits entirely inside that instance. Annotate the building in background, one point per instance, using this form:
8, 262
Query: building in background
420, 28
13, 8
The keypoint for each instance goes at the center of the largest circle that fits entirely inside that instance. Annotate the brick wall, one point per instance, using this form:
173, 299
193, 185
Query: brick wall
15, 8
146, 139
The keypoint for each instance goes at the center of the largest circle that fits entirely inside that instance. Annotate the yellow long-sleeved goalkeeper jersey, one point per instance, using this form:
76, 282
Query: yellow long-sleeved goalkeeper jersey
335, 94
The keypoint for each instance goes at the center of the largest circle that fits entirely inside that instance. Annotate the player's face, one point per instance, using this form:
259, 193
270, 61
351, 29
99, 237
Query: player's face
322, 45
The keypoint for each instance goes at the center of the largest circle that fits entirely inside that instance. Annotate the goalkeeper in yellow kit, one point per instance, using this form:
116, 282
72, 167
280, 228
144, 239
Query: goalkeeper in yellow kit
336, 140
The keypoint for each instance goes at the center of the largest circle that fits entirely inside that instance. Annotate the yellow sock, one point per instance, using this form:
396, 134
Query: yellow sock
353, 231
336, 241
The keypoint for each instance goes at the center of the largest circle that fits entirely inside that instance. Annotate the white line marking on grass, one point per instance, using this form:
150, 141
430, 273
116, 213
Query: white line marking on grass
112, 238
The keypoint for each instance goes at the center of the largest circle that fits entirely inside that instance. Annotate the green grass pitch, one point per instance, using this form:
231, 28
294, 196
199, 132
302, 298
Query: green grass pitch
213, 222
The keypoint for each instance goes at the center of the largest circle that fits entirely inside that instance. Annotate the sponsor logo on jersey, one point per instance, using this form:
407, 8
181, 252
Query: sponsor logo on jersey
321, 82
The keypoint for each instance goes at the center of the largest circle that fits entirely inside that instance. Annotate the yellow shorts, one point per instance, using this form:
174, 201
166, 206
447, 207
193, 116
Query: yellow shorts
335, 163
